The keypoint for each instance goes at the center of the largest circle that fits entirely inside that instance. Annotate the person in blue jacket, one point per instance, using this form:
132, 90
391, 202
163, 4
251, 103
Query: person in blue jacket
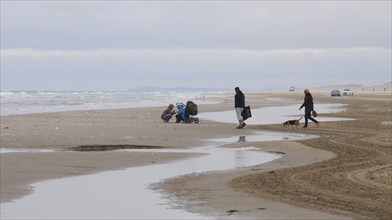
180, 116
239, 104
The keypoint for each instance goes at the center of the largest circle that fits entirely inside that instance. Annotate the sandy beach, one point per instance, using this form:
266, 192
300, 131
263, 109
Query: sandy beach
346, 173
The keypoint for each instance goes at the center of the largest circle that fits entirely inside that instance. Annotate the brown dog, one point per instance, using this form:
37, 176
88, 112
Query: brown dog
292, 123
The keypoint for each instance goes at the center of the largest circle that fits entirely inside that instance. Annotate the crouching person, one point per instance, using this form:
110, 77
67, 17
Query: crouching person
168, 113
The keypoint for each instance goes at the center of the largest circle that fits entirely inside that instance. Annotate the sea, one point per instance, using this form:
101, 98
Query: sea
26, 102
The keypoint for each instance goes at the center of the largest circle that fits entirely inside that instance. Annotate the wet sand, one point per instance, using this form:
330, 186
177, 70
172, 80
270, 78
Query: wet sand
327, 177
355, 183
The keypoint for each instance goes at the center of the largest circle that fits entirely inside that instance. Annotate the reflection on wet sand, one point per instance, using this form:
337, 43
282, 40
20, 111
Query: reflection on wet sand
241, 138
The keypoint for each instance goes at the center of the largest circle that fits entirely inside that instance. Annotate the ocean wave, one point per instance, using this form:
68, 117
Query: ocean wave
24, 102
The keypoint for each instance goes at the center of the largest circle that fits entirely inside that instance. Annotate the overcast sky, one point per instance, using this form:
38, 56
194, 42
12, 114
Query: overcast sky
119, 45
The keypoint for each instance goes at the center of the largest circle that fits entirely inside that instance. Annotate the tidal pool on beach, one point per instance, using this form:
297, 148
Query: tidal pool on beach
126, 193
275, 115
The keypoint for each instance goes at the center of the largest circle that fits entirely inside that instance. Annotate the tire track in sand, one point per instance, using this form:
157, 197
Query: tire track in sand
356, 183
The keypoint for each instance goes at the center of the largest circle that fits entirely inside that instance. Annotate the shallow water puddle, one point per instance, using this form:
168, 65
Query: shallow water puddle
125, 193
264, 136
13, 150
275, 115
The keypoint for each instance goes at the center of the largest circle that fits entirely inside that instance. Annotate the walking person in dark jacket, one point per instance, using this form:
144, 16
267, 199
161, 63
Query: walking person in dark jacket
308, 104
239, 104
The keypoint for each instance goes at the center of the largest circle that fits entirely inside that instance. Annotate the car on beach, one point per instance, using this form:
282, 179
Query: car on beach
347, 92
292, 89
335, 92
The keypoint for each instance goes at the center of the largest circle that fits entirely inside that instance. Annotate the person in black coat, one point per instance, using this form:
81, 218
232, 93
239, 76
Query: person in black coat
239, 104
308, 104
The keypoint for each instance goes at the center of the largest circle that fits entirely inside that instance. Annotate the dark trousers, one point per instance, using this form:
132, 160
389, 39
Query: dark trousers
167, 117
308, 115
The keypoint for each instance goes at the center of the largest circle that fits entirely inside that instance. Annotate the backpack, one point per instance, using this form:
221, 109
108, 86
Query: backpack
192, 108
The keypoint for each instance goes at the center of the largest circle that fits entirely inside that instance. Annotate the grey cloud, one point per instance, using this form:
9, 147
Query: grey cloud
259, 25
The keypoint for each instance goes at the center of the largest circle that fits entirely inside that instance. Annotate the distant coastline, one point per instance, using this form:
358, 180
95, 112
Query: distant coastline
178, 89
386, 87
355, 87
